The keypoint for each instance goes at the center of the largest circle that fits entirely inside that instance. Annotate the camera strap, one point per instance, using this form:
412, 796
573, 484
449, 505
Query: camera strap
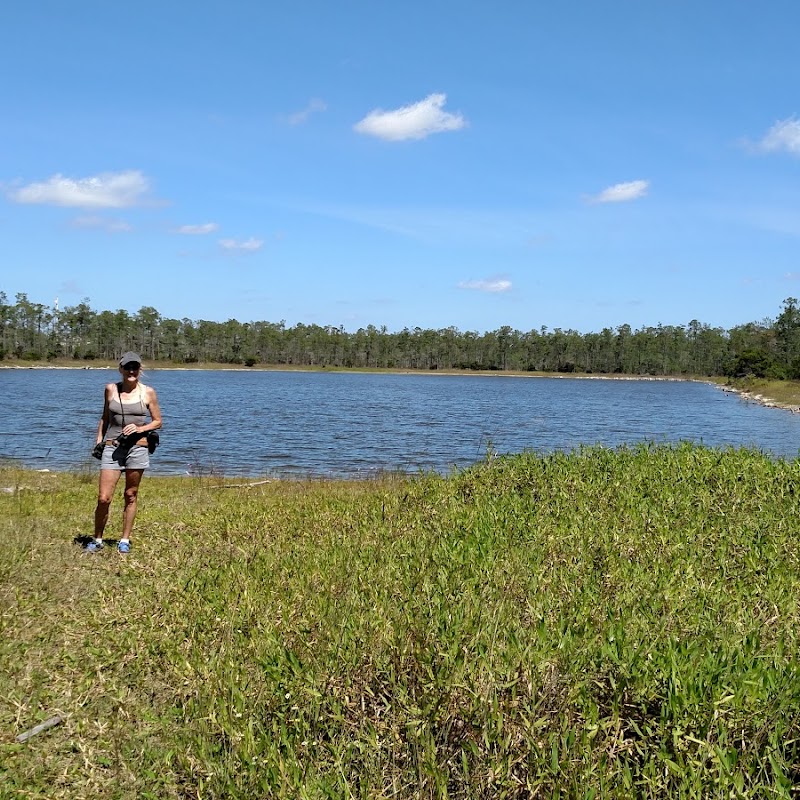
121, 406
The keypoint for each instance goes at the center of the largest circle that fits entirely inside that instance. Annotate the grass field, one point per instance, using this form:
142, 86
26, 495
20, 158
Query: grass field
600, 624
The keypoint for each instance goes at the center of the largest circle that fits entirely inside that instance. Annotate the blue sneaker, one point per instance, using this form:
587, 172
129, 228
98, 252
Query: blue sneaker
94, 547
124, 547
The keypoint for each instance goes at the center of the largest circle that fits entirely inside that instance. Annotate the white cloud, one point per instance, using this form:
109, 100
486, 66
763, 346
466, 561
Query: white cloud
622, 192
783, 136
110, 225
106, 190
314, 107
198, 230
411, 122
492, 285
247, 246
792, 276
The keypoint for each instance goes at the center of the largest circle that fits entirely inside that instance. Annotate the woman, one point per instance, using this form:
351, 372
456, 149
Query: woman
122, 446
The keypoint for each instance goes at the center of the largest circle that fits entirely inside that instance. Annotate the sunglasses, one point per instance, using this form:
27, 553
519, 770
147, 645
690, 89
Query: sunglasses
131, 367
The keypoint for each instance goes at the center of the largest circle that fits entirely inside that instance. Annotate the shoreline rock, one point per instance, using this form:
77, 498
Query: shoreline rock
761, 400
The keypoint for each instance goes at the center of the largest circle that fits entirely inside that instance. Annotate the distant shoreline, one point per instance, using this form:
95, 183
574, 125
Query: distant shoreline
375, 371
380, 371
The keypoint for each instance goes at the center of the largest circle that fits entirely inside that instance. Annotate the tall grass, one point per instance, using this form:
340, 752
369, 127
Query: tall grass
599, 624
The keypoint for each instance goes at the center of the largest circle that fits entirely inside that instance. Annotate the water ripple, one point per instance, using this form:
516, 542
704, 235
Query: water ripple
352, 424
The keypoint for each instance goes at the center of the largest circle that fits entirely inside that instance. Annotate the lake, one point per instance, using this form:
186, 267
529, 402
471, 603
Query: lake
246, 422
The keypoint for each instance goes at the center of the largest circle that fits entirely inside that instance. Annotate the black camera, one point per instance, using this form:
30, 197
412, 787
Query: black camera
126, 440
97, 450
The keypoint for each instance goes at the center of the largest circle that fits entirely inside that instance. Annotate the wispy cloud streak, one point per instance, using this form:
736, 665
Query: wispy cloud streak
197, 230
490, 285
315, 106
250, 245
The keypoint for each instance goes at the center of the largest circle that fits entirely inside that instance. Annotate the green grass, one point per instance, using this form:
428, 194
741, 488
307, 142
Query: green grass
601, 624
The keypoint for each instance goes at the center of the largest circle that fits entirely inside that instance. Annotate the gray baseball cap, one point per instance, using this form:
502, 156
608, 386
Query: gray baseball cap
128, 358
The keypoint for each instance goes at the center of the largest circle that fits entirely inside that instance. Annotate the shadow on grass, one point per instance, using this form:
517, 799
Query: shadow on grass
82, 541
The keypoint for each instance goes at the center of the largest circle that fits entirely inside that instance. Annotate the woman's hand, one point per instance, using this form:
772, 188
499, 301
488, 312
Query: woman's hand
130, 428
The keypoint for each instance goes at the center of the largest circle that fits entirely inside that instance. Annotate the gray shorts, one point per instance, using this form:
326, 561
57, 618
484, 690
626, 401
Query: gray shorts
122, 458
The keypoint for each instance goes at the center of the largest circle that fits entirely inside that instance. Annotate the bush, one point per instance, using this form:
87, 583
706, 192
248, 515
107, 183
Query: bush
752, 363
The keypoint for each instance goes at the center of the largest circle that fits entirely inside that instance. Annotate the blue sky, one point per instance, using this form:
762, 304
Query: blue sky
573, 165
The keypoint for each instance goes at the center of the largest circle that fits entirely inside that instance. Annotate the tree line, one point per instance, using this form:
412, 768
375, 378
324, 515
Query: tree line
36, 332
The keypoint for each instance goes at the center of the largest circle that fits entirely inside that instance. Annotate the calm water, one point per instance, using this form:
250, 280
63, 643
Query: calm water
348, 424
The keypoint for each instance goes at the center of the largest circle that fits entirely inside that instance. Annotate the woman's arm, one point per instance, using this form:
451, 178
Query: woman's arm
102, 426
154, 409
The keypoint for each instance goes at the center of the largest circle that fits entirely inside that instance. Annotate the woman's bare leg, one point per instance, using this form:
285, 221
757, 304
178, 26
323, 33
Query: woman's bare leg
105, 494
133, 477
